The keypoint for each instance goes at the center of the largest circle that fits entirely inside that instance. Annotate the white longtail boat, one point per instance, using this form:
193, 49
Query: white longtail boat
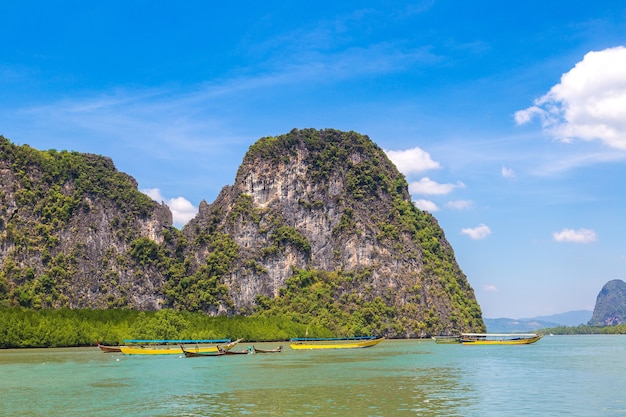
499, 338
447, 339
334, 342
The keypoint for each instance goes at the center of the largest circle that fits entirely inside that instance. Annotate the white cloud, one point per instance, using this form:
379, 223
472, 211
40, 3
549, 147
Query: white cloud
589, 103
575, 236
426, 186
412, 161
508, 172
479, 232
182, 210
154, 193
460, 204
426, 205
490, 288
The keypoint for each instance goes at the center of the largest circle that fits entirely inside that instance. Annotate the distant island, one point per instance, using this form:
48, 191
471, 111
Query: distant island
608, 316
610, 309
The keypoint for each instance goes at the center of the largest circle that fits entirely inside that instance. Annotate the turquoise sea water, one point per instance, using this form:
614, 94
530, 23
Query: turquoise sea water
557, 376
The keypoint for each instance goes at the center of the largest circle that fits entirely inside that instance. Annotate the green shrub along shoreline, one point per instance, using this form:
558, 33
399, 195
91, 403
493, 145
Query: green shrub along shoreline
586, 329
27, 328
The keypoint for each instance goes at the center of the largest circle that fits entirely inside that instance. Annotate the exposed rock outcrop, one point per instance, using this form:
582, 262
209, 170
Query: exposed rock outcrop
68, 223
333, 201
610, 308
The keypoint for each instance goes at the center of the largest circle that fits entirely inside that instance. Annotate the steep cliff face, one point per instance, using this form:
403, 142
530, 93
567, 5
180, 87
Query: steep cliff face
71, 230
332, 201
610, 308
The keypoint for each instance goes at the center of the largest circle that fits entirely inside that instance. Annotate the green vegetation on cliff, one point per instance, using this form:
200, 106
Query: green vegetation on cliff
319, 298
43, 197
53, 184
203, 289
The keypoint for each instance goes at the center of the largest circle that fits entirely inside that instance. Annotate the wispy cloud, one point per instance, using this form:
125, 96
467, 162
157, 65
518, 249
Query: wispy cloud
426, 186
575, 236
327, 48
412, 161
589, 103
142, 118
460, 204
565, 163
507, 173
490, 288
479, 232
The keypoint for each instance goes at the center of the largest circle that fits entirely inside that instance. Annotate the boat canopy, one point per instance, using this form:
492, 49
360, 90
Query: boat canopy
325, 339
177, 341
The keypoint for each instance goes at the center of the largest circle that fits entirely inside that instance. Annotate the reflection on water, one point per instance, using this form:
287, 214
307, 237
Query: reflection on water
558, 376
436, 393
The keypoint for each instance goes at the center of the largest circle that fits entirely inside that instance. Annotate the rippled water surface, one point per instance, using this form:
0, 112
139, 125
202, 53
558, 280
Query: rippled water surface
558, 376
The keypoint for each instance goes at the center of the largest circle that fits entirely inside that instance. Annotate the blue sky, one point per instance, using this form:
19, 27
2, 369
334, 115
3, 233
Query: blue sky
508, 118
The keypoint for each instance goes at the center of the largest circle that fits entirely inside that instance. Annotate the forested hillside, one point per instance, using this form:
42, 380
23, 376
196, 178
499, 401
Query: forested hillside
75, 232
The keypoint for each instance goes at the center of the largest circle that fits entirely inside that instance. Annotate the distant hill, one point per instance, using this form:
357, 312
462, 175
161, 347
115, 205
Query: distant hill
571, 318
610, 308
507, 325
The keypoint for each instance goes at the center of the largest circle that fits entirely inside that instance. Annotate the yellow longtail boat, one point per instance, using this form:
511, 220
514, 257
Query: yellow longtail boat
334, 342
173, 347
499, 338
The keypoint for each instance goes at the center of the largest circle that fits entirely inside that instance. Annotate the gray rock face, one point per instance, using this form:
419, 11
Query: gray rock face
332, 201
67, 226
610, 308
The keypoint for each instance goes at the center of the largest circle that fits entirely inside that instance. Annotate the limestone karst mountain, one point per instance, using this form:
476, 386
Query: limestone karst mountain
610, 308
318, 225
332, 201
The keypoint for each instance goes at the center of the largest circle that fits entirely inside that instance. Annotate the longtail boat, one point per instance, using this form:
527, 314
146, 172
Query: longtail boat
277, 350
335, 342
220, 352
173, 346
194, 354
238, 352
499, 338
447, 339
108, 349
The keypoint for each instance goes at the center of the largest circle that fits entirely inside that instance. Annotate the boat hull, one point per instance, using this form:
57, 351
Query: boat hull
165, 350
189, 354
277, 350
447, 340
109, 349
339, 344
